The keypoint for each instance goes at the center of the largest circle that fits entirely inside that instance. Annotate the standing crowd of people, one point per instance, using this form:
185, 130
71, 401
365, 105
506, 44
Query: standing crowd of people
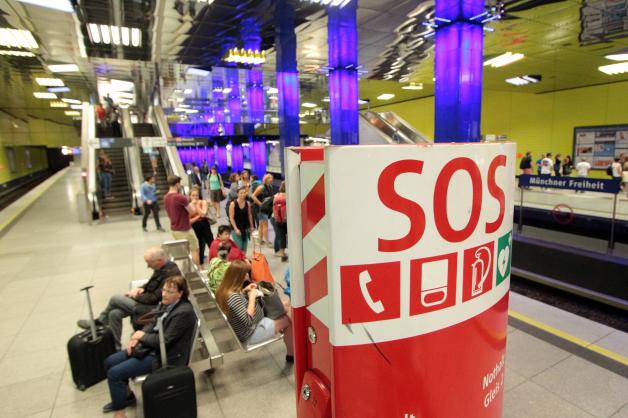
557, 166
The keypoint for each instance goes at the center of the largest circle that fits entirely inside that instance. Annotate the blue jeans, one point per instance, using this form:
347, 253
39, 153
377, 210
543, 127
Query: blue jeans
106, 179
120, 368
241, 241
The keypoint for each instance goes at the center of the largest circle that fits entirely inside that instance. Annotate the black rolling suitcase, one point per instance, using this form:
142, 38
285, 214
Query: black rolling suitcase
88, 351
169, 392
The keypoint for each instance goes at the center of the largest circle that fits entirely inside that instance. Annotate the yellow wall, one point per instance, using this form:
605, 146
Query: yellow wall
539, 123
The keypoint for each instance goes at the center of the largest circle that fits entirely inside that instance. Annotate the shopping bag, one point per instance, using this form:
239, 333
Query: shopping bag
260, 270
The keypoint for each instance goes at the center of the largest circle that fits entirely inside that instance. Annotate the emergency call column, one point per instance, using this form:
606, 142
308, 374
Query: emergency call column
401, 306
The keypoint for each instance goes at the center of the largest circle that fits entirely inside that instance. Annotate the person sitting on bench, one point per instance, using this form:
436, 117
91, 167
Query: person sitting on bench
138, 301
218, 266
142, 354
224, 235
239, 301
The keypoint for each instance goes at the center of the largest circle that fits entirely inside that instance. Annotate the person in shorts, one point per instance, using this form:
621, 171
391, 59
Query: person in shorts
179, 209
214, 180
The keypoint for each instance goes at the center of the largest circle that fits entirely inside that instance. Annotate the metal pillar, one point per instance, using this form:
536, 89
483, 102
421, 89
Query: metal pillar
342, 36
287, 77
458, 70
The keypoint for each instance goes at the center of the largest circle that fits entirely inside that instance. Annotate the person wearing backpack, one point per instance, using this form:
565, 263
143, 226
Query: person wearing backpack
263, 192
280, 222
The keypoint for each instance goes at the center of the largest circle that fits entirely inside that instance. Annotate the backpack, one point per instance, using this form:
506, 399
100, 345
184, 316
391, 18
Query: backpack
267, 206
609, 170
279, 209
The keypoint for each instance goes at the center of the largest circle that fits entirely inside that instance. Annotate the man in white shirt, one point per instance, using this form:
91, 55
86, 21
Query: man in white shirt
546, 165
617, 169
583, 168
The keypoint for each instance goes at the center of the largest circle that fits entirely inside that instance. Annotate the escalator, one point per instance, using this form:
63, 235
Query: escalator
144, 130
387, 128
119, 201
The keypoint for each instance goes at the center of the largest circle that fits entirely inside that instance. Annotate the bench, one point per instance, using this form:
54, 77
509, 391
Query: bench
179, 251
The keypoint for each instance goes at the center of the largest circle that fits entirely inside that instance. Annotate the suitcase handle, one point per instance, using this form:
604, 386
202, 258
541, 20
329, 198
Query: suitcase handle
92, 323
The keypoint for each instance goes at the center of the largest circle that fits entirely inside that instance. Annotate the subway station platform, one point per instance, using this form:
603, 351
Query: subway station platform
557, 365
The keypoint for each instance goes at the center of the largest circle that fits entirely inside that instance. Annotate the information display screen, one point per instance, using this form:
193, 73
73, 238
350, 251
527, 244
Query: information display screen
600, 144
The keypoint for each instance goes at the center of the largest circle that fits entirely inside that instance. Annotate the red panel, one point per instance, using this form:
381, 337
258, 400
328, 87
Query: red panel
312, 153
455, 372
318, 405
313, 207
316, 282
319, 353
299, 329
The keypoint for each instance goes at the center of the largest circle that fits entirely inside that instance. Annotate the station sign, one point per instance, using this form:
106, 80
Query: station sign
417, 242
153, 142
580, 184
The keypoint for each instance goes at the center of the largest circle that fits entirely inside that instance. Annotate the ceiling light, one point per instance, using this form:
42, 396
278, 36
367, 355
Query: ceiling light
136, 37
227, 90
58, 89
621, 55
191, 110
63, 68
15, 38
58, 104
272, 90
115, 35
72, 113
61, 5
325, 99
126, 35
49, 82
333, 3
612, 69
198, 72
309, 105
76, 106
183, 106
413, 86
71, 101
248, 57
363, 102
504, 59
42, 95
17, 53
187, 91
385, 96
523, 80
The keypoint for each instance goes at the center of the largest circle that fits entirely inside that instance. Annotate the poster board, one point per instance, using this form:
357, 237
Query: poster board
600, 144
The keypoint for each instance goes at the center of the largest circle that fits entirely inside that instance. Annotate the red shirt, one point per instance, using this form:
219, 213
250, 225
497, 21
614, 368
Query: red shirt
176, 206
234, 254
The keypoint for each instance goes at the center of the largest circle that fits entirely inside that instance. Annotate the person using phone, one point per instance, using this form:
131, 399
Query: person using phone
239, 300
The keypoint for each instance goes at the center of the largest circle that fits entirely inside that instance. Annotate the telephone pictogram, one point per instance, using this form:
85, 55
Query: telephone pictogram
480, 270
376, 306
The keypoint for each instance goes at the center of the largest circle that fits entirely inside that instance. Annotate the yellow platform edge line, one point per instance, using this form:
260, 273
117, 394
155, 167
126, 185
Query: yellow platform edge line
35, 198
566, 336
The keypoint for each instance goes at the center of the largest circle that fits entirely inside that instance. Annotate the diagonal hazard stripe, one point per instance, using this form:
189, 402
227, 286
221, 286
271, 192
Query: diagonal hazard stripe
313, 207
315, 281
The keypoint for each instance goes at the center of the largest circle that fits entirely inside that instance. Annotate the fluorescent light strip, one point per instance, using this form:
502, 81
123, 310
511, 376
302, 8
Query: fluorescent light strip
309, 105
385, 96
42, 95
618, 57
413, 86
72, 113
115, 35
517, 81
61, 5
49, 82
63, 89
332, 3
76, 106
504, 59
71, 101
58, 104
63, 68
197, 71
17, 53
613, 69
15, 38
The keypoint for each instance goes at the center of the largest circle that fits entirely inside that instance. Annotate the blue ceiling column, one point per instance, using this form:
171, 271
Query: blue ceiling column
342, 41
287, 77
458, 70
252, 40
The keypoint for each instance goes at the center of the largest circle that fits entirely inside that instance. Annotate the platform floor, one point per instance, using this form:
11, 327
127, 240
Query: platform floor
48, 255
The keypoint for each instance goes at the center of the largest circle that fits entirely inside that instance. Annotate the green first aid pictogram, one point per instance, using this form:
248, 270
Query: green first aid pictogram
504, 257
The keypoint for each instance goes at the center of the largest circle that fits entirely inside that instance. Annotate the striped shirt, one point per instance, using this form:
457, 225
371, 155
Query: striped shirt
238, 317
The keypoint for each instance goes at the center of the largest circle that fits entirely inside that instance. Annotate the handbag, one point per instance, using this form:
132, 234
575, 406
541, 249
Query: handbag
211, 217
140, 351
260, 270
273, 306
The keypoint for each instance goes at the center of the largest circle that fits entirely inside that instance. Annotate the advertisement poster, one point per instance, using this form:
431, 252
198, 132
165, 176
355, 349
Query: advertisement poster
599, 145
